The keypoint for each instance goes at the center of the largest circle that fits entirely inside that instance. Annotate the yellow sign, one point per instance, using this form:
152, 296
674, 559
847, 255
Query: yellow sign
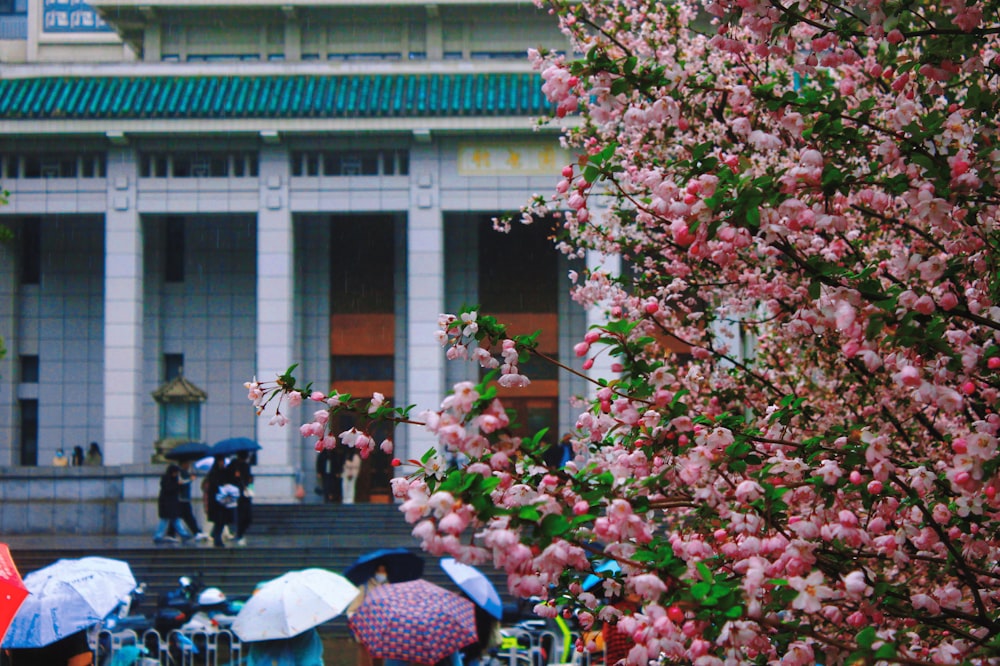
511, 159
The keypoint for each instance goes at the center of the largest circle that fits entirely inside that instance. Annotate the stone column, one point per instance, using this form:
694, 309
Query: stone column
425, 295
275, 318
9, 435
123, 308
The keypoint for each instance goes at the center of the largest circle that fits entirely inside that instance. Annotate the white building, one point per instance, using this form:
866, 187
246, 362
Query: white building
234, 186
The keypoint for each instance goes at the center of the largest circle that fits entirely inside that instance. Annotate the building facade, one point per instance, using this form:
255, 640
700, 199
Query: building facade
222, 189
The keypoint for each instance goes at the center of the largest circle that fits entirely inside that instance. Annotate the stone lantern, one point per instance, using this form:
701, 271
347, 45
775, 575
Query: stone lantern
180, 414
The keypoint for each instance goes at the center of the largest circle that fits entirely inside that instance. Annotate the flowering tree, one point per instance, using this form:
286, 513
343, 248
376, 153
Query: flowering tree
822, 179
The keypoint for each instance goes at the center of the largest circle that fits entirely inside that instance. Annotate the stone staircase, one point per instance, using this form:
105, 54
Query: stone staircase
282, 538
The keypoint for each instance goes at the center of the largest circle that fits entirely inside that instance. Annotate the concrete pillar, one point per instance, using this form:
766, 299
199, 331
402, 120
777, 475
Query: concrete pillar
275, 304
293, 35
9, 436
123, 307
425, 295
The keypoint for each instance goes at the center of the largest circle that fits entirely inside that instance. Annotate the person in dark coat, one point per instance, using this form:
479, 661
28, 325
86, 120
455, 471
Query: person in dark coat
73, 650
218, 514
329, 473
168, 506
239, 475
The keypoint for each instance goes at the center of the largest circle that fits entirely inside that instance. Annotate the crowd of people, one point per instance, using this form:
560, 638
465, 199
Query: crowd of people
227, 493
91, 458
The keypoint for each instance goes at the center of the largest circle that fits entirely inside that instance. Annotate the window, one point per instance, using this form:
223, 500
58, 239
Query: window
351, 163
207, 164
173, 269
173, 366
517, 270
31, 251
59, 165
361, 368
29, 432
29, 368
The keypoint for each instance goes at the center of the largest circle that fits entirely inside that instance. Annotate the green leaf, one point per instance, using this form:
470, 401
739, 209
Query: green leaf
529, 513
866, 637
700, 590
555, 525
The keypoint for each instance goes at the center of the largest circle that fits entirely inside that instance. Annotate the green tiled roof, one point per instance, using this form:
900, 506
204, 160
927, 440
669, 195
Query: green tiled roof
272, 96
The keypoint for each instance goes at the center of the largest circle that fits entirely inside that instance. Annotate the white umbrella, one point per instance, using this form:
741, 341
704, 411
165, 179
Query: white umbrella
67, 596
292, 603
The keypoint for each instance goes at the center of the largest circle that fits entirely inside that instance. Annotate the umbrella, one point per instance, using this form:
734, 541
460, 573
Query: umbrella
67, 596
593, 579
401, 565
12, 589
187, 451
292, 603
474, 583
204, 464
228, 447
415, 621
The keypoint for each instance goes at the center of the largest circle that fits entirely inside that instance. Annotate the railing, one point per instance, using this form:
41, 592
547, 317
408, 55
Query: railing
179, 648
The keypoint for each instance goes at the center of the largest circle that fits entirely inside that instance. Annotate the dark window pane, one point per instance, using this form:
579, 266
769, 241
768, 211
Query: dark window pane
218, 166
173, 270
362, 257
361, 368
29, 432
29, 368
31, 251
517, 270
173, 365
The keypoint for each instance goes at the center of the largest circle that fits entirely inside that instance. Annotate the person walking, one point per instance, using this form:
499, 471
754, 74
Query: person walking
185, 480
218, 514
94, 457
168, 506
238, 473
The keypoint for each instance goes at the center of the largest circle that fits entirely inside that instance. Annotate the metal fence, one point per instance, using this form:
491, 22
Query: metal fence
178, 648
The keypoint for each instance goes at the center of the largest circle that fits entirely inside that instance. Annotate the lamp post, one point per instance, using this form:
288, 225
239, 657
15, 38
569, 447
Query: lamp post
180, 414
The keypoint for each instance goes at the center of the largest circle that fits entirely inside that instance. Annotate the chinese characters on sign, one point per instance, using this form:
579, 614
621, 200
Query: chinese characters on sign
71, 16
510, 159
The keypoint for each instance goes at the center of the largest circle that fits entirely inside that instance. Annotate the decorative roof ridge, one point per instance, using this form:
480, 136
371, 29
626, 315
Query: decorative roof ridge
279, 96
305, 68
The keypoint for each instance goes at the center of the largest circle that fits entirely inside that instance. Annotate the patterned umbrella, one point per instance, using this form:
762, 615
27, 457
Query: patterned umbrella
416, 621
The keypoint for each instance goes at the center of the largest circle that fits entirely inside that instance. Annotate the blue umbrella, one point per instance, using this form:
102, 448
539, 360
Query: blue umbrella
401, 565
228, 447
475, 584
187, 451
593, 579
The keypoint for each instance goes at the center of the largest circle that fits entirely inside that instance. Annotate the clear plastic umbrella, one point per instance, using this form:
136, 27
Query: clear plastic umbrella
67, 596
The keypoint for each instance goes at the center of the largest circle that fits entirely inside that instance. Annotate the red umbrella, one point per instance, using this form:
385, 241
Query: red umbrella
415, 621
12, 589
